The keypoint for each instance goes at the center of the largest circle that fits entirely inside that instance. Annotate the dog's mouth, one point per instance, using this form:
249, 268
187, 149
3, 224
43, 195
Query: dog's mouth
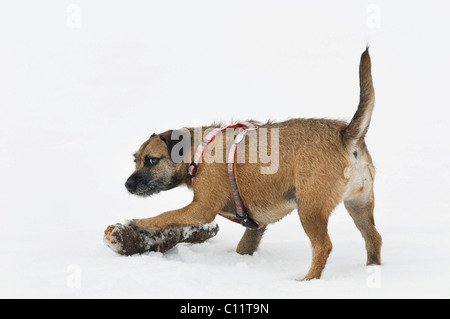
146, 191
144, 188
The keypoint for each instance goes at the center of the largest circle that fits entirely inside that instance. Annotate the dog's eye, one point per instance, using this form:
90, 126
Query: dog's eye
150, 161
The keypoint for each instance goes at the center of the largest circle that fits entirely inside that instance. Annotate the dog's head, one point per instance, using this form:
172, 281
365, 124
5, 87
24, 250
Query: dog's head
159, 164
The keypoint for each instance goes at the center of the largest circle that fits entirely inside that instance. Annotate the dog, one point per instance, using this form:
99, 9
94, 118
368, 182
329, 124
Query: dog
321, 163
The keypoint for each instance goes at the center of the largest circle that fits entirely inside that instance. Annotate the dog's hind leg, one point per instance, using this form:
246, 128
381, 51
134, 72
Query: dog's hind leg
250, 241
315, 222
361, 208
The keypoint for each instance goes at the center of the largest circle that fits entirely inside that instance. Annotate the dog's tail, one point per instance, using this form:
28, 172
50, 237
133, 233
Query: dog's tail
359, 124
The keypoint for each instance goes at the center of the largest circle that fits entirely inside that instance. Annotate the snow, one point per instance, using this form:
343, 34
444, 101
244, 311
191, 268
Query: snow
83, 84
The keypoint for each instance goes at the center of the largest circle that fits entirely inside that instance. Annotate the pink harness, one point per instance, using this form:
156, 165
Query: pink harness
241, 214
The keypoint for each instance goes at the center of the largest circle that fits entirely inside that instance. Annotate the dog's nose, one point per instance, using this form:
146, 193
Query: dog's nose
130, 184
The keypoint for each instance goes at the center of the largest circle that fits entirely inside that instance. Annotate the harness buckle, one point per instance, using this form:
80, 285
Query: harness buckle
246, 221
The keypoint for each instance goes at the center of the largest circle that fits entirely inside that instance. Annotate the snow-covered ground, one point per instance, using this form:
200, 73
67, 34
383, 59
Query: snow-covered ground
84, 83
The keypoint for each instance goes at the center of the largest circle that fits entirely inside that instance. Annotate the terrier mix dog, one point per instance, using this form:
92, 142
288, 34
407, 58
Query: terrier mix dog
320, 164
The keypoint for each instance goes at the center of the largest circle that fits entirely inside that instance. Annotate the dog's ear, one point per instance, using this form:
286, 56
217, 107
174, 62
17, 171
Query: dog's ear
177, 144
166, 137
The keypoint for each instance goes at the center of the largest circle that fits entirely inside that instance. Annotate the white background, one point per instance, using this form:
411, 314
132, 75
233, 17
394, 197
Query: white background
84, 83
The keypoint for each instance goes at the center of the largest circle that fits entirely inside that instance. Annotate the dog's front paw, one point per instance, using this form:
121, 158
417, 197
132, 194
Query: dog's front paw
128, 240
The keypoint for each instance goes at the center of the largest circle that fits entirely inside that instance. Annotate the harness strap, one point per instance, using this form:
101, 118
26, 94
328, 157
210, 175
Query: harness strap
192, 170
241, 214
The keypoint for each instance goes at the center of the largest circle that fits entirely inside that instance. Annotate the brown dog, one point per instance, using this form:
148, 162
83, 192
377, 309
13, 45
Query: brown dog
320, 163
